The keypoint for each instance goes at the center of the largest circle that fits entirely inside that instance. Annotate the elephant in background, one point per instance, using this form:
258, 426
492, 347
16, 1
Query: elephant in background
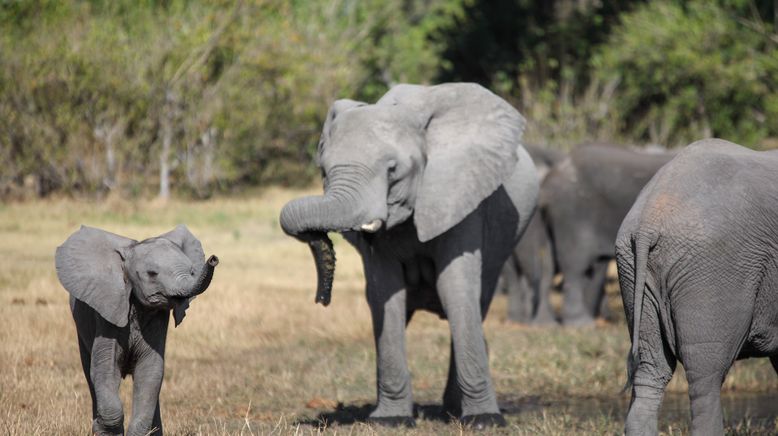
433, 188
121, 294
530, 267
583, 199
697, 256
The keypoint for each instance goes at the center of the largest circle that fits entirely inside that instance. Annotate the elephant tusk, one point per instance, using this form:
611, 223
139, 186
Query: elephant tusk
372, 227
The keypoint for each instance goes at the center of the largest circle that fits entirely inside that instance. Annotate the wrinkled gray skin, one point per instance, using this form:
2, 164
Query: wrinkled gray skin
121, 294
530, 267
583, 200
697, 265
433, 188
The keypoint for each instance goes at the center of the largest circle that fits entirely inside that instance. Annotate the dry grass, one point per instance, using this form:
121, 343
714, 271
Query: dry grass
257, 356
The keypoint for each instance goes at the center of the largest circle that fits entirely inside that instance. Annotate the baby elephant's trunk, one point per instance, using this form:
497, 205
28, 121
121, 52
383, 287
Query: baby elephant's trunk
206, 274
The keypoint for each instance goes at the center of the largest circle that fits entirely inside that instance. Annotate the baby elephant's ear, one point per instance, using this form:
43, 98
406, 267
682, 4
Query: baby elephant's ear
90, 267
187, 242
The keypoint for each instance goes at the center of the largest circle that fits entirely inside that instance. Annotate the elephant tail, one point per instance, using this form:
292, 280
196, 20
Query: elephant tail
642, 245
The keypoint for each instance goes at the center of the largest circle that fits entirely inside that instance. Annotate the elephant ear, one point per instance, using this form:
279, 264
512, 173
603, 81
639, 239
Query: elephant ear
187, 242
90, 267
472, 140
337, 108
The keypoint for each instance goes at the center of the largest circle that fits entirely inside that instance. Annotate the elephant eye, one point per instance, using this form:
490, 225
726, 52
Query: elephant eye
152, 274
392, 167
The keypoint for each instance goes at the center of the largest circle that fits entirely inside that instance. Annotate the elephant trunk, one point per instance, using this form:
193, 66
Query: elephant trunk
309, 219
349, 203
203, 280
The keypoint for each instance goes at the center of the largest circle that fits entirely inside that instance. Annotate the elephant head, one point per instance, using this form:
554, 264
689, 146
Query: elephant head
103, 270
431, 153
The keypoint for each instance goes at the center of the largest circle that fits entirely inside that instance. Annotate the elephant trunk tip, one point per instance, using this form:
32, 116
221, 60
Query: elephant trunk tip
212, 261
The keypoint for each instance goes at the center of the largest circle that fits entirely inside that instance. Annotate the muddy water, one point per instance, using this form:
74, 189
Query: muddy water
760, 409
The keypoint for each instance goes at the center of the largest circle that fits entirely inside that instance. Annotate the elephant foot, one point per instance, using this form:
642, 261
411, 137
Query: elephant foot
452, 410
483, 421
544, 322
393, 421
102, 430
584, 320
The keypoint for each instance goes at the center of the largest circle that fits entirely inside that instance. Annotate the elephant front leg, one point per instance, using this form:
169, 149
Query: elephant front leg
452, 396
147, 382
387, 295
106, 377
459, 286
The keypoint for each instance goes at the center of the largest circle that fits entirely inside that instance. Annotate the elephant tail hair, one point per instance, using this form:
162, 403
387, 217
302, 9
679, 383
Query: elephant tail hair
641, 246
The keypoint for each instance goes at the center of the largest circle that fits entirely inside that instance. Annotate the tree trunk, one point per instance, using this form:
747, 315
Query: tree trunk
167, 140
209, 145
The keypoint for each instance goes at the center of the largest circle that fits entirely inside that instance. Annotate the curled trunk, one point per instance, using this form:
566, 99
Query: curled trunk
309, 219
206, 275
203, 280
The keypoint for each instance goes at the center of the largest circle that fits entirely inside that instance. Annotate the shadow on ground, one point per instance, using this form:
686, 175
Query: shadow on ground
758, 411
351, 414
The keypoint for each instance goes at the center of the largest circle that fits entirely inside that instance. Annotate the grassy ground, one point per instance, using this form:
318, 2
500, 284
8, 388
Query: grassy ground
257, 356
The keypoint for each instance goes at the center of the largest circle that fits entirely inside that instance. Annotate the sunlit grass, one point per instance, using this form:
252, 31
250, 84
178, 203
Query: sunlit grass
256, 355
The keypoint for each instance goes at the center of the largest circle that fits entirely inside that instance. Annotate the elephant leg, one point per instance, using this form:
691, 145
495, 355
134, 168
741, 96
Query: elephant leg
541, 279
544, 314
147, 382
774, 362
534, 256
106, 377
519, 293
86, 364
712, 323
458, 285
705, 398
387, 295
452, 397
653, 373
157, 421
595, 288
574, 309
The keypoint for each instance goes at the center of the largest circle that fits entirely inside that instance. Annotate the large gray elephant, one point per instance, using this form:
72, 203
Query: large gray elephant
121, 294
583, 200
433, 188
697, 256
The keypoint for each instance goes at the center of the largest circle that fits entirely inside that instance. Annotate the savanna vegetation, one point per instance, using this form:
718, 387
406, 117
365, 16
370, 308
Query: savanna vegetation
141, 97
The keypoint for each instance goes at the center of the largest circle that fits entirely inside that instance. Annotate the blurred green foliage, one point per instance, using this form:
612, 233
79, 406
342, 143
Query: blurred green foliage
693, 69
92, 91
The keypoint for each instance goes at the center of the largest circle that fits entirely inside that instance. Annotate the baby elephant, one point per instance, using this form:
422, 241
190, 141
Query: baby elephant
698, 266
121, 293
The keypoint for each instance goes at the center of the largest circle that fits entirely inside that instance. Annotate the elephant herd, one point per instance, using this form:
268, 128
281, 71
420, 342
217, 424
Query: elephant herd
432, 186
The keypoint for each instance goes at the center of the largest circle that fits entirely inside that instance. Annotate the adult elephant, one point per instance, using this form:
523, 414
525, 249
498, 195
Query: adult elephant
583, 200
697, 266
433, 188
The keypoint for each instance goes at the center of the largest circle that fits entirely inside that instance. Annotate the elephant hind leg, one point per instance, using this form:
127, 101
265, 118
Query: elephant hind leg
710, 336
705, 376
653, 373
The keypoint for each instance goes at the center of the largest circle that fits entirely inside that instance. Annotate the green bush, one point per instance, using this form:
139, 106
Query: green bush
694, 69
